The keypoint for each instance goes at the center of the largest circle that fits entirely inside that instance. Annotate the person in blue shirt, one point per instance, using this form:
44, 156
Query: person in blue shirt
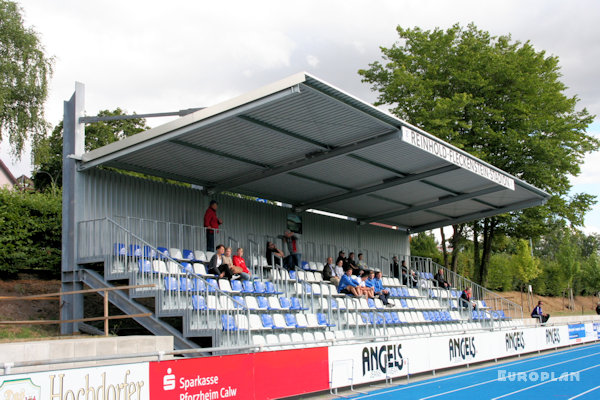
383, 294
347, 284
539, 314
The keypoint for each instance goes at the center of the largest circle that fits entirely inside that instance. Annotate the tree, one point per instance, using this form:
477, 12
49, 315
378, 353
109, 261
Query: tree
47, 151
24, 74
423, 244
499, 100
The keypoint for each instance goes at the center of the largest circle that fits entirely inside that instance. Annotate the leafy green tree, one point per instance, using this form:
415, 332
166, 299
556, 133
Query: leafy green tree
499, 100
31, 230
423, 244
24, 74
525, 266
47, 150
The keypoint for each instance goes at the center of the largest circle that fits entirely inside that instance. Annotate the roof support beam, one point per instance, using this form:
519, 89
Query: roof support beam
479, 215
380, 186
433, 204
308, 159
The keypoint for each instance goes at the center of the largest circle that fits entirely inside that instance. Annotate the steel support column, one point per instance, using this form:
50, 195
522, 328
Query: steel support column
73, 145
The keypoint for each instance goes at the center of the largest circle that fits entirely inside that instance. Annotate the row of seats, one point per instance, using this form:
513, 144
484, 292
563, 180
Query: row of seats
265, 322
287, 340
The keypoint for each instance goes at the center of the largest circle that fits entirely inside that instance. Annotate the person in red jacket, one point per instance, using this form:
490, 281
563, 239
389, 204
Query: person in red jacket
211, 222
238, 261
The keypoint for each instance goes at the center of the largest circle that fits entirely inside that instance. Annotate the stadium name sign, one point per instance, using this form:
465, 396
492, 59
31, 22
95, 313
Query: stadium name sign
451, 155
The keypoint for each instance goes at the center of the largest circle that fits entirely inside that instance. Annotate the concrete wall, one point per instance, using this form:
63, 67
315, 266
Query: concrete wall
80, 347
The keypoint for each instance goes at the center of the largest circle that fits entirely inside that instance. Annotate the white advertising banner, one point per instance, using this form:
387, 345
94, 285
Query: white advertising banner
116, 382
363, 363
455, 157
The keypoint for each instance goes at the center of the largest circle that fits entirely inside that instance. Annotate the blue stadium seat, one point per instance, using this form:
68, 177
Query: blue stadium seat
285, 303
334, 304
429, 276
134, 250
405, 292
248, 287
388, 318
475, 315
238, 302
426, 316
305, 265
212, 285
395, 318
144, 266
236, 286
403, 303
322, 320
119, 249
186, 284
163, 252
262, 302
447, 316
171, 283
291, 322
453, 305
371, 303
188, 255
149, 252
198, 303
365, 318
307, 288
270, 288
501, 314
292, 274
199, 285
259, 287
296, 305
187, 268
267, 321
228, 323
379, 320
432, 294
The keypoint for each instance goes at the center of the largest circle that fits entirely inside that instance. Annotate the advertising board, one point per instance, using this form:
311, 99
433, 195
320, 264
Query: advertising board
124, 382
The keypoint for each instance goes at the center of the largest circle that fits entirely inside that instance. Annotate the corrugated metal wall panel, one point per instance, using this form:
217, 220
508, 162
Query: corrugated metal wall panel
110, 194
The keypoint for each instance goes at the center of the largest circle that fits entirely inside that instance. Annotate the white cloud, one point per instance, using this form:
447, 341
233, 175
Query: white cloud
145, 56
312, 60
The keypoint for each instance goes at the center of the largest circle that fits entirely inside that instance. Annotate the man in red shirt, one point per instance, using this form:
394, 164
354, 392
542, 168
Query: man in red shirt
211, 222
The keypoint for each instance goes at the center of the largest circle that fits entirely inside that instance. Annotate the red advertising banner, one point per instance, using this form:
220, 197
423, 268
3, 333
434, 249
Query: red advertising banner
291, 372
266, 375
206, 378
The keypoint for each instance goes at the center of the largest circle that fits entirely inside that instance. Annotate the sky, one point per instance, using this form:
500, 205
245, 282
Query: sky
155, 56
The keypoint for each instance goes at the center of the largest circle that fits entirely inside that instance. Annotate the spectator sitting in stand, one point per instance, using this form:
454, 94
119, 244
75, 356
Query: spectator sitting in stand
465, 299
332, 273
216, 265
239, 265
273, 251
229, 263
439, 279
539, 314
363, 288
347, 285
342, 257
412, 279
362, 265
291, 247
352, 262
382, 293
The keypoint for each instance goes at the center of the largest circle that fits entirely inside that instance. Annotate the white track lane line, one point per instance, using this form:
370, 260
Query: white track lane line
502, 365
494, 380
543, 383
582, 393
510, 363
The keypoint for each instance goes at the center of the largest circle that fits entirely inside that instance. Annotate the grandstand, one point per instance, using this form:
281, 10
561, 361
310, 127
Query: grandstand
356, 178
308, 145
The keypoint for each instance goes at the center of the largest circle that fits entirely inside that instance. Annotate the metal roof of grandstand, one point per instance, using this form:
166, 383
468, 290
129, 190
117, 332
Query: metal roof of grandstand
304, 142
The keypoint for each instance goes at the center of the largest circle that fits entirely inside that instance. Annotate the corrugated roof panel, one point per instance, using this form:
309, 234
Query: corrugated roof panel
289, 188
185, 161
357, 206
346, 171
